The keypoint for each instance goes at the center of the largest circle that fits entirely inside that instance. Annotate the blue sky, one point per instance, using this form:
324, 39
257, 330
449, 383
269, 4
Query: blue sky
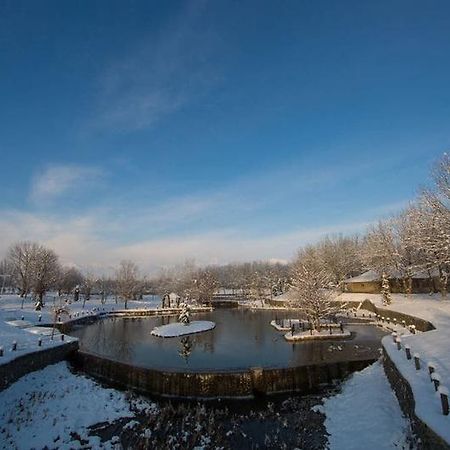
222, 131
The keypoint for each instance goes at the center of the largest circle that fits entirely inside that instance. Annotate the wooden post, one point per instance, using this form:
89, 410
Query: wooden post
431, 369
394, 335
417, 361
398, 341
443, 391
40, 342
40, 318
1, 351
408, 351
14, 346
436, 378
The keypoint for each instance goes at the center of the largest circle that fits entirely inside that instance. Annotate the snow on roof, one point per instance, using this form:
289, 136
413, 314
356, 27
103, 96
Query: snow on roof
371, 275
365, 277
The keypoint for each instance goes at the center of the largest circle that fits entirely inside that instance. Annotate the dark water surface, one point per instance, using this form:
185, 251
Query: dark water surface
242, 338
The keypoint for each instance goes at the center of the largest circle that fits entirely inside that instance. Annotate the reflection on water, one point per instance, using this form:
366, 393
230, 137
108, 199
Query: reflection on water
186, 348
242, 338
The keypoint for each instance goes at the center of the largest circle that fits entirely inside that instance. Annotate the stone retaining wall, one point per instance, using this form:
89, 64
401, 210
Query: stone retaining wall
428, 439
247, 383
22, 365
420, 324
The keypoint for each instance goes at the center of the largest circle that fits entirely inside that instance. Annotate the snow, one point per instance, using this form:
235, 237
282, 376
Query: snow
27, 338
180, 329
316, 335
365, 414
365, 277
432, 347
44, 407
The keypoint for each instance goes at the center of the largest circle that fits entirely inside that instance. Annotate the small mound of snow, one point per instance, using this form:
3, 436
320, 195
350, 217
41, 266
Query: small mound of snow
180, 329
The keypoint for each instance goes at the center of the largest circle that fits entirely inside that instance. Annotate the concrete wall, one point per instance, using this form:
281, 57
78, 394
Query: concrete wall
13, 370
249, 383
428, 439
420, 324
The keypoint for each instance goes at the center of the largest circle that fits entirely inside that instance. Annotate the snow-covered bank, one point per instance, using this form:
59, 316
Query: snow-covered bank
53, 408
366, 414
431, 346
180, 329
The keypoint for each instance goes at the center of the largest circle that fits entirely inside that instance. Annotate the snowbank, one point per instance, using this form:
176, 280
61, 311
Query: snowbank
179, 329
366, 414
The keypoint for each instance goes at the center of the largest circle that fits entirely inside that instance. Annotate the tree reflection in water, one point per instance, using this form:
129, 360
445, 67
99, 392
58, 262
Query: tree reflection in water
186, 348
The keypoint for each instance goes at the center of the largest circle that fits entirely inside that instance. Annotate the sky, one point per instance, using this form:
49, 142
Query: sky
215, 130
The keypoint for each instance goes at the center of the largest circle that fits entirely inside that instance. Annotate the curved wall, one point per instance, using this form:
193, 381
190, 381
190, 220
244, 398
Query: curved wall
248, 383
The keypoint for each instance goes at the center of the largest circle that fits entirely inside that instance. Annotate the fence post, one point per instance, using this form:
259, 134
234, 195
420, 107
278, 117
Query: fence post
436, 378
408, 351
416, 357
443, 392
431, 369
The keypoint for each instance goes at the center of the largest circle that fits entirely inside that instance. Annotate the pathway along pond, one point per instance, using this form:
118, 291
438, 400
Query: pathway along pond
243, 338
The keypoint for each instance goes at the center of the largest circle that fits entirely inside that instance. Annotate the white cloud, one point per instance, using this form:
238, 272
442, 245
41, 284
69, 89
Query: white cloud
79, 242
59, 179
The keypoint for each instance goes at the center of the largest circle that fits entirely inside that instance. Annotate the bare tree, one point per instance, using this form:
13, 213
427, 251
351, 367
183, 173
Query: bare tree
87, 286
127, 276
21, 256
70, 277
46, 270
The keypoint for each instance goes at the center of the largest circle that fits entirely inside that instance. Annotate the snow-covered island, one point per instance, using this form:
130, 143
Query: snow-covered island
179, 329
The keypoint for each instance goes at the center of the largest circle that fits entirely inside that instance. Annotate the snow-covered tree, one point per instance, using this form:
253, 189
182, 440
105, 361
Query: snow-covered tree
309, 290
340, 256
184, 315
386, 290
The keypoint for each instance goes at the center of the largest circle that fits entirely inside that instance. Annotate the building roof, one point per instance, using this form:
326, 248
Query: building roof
371, 275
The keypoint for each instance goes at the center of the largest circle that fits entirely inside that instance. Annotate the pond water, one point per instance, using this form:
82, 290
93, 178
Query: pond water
242, 338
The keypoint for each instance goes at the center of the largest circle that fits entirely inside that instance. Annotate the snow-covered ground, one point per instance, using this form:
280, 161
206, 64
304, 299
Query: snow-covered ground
53, 408
365, 414
180, 329
23, 325
432, 346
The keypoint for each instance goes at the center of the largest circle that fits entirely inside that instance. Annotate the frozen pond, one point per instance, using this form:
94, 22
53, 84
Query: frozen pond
242, 338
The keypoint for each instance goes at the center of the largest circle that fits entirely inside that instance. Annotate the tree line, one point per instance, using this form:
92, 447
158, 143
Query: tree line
414, 242
417, 240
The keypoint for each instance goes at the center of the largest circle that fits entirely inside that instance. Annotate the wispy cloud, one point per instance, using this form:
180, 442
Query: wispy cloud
160, 75
56, 180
